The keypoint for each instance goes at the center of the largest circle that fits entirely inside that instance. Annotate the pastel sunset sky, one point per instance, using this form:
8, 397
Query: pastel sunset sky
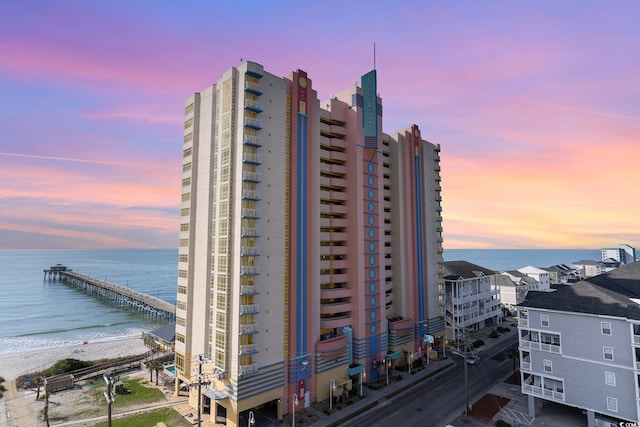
536, 106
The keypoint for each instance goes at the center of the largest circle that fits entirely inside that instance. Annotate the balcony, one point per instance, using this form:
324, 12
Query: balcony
252, 105
252, 123
523, 321
249, 290
249, 329
248, 349
251, 195
250, 251
250, 213
249, 270
332, 348
544, 387
248, 369
250, 232
636, 340
254, 141
251, 176
253, 159
254, 88
249, 309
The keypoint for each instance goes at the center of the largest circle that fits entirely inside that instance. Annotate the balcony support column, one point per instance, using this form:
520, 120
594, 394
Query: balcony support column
532, 406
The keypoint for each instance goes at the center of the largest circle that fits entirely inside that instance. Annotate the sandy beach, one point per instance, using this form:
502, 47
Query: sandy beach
14, 365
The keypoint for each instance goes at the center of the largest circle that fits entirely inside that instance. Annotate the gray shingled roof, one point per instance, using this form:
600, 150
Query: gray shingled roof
453, 270
606, 294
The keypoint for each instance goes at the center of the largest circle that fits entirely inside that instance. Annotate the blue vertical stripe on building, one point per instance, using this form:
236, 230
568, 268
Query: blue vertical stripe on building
419, 248
301, 239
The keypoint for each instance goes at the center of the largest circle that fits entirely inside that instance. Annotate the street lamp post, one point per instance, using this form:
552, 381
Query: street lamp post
332, 386
294, 402
387, 363
252, 419
466, 383
362, 374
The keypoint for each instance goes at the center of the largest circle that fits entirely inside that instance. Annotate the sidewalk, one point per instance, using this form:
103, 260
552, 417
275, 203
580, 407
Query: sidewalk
376, 397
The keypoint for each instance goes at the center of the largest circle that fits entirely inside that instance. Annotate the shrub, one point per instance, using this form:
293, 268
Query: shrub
64, 366
493, 334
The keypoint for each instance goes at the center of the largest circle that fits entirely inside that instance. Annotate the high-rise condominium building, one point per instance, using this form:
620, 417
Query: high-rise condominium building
310, 243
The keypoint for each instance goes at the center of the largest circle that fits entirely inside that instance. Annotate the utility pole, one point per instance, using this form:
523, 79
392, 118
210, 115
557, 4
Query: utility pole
108, 394
200, 362
465, 333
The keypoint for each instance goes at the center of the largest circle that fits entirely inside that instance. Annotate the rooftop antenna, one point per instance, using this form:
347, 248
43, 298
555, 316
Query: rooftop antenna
374, 55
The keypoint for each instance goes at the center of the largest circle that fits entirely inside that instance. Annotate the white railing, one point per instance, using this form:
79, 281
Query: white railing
249, 269
250, 231
253, 158
250, 250
250, 103
636, 339
248, 349
248, 369
252, 176
249, 290
552, 348
523, 321
251, 328
525, 365
251, 194
253, 86
251, 122
253, 213
253, 140
249, 308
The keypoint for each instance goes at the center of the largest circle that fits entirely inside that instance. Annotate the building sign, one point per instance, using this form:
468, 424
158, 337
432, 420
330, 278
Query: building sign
370, 111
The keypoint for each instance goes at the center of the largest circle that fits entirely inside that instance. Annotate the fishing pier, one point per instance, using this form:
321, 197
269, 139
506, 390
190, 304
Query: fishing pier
119, 294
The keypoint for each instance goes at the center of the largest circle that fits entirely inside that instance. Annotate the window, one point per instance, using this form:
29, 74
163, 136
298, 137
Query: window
606, 328
607, 353
180, 338
548, 365
610, 378
612, 404
544, 320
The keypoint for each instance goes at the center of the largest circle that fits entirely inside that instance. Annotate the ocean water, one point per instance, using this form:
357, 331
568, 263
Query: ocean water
37, 313
513, 259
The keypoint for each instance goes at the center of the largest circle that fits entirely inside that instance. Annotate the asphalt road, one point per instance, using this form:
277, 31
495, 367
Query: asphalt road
440, 399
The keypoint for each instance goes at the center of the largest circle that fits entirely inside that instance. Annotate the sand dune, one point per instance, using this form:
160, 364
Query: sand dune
15, 365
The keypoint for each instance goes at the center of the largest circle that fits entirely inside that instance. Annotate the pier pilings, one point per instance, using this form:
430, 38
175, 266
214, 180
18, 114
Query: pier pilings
119, 294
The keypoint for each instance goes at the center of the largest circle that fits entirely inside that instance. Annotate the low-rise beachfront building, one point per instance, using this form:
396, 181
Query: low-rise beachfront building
513, 287
472, 297
561, 274
541, 276
588, 268
580, 346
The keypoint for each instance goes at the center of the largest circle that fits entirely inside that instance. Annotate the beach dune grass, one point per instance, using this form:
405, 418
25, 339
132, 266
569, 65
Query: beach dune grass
167, 416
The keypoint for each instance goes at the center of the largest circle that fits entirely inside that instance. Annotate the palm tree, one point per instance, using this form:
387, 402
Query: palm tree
513, 354
154, 365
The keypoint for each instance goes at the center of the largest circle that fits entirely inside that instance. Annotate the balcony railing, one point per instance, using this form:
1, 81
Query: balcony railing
636, 339
523, 321
250, 213
525, 365
254, 141
250, 251
254, 159
252, 105
252, 176
253, 88
251, 195
249, 290
251, 328
252, 123
250, 232
249, 308
248, 349
248, 369
249, 270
